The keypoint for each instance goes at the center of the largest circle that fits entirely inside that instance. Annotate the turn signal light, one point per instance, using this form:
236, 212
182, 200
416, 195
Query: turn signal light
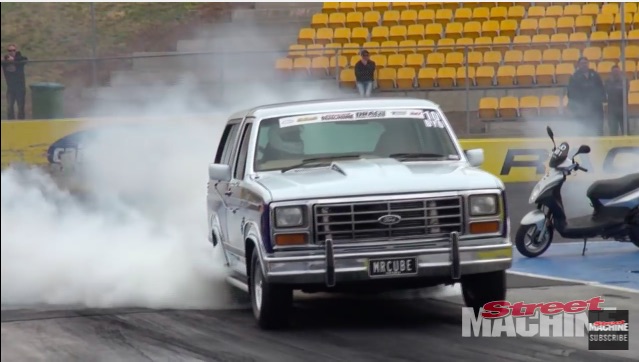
290, 239
484, 227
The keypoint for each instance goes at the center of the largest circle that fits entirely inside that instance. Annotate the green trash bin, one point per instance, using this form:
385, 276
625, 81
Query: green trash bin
47, 100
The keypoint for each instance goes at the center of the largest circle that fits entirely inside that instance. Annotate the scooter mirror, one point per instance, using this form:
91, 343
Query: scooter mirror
583, 149
550, 133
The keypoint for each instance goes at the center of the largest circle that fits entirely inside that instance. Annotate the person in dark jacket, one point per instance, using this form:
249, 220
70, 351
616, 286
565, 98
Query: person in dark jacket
365, 74
614, 91
586, 95
13, 68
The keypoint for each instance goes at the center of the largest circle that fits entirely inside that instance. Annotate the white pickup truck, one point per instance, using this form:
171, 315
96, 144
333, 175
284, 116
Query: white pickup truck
354, 195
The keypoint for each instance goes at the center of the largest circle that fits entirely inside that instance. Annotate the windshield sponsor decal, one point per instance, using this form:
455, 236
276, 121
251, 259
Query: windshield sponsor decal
351, 116
432, 119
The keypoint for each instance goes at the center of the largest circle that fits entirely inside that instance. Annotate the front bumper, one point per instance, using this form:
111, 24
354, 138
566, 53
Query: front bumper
335, 265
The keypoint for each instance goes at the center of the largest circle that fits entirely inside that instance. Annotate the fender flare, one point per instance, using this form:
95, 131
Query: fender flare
252, 232
534, 217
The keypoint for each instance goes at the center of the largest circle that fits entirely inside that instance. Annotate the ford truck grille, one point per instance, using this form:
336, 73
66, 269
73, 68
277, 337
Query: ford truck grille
365, 221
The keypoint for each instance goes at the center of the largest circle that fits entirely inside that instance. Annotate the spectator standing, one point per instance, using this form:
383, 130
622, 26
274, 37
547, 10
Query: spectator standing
614, 91
13, 67
586, 95
365, 74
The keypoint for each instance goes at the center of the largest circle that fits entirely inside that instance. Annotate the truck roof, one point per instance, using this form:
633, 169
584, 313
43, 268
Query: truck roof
332, 105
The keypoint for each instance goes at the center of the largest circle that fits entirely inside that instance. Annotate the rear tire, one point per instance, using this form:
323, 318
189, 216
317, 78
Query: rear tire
528, 244
479, 289
271, 303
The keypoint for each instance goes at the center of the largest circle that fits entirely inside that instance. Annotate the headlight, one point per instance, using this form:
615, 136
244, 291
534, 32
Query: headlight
289, 216
483, 205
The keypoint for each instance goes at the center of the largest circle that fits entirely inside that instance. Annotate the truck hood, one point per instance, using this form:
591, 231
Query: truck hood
375, 177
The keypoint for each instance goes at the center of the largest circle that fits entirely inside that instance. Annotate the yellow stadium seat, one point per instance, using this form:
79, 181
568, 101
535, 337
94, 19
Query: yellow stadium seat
525, 74
405, 78
284, 66
583, 24
463, 14
314, 50
390, 18
631, 7
426, 16
604, 22
301, 66
386, 78
381, 6
516, 12
612, 53
425, 46
484, 76
599, 38
501, 43
508, 107
563, 72
319, 20
337, 62
324, 36
464, 43
433, 31
540, 41
408, 17
388, 47
508, 28
426, 77
554, 11
342, 35
483, 43
632, 52
354, 19
545, 74
551, 56
359, 35
371, 19
446, 77
528, 26
331, 49
490, 28
346, 7
373, 47
415, 61
566, 24
379, 59
296, 50
454, 30
472, 29
590, 9
400, 5
572, 10
528, 106
454, 59
396, 61
416, 5
498, 13
435, 60
578, 40
559, 40
350, 49
536, 12
521, 42
492, 58
337, 20
631, 69
445, 45
443, 16
506, 75
330, 7
633, 34
415, 32
306, 36
380, 33
461, 77
605, 68
570, 55
475, 58
615, 36
407, 46
634, 85
488, 108
592, 53
398, 33
547, 25
627, 20
532, 56
347, 78
635, 21
549, 105
364, 6
319, 66
633, 102
481, 14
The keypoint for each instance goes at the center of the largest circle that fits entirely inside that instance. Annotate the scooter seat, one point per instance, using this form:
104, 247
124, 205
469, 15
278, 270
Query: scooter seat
612, 188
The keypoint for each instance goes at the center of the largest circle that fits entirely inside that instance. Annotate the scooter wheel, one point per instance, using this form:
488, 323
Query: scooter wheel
528, 243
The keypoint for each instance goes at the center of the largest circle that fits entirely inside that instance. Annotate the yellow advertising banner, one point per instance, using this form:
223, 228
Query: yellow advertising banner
511, 159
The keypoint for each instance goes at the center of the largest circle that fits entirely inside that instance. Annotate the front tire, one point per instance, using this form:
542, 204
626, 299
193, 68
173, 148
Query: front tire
479, 289
531, 242
271, 303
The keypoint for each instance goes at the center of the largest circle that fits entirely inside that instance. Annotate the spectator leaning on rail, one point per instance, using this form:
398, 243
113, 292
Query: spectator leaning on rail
365, 74
614, 90
586, 95
13, 68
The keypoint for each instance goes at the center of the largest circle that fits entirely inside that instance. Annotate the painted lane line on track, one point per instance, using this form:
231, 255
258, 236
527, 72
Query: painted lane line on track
584, 282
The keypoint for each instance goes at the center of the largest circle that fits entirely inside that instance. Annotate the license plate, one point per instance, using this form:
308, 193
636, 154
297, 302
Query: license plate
392, 266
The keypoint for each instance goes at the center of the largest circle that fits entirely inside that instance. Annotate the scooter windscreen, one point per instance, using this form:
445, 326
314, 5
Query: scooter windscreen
559, 155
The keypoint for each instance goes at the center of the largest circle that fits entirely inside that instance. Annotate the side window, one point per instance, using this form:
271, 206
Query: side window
225, 148
240, 165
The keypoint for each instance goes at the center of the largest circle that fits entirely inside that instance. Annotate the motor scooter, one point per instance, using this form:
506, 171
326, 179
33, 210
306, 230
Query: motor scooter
615, 205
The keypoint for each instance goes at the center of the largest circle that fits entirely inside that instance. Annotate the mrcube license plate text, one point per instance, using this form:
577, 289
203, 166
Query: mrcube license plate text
392, 266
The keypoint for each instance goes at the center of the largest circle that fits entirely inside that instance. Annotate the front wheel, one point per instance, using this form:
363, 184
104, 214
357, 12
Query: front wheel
479, 289
271, 302
532, 241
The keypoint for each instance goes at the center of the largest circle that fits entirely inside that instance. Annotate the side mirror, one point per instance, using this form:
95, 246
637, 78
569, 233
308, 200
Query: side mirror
475, 157
583, 149
219, 172
552, 136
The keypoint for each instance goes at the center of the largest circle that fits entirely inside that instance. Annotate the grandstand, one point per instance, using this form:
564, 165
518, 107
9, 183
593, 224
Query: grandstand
427, 46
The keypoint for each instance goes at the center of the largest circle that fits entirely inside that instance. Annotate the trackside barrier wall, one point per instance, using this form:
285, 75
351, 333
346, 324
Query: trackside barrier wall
50, 143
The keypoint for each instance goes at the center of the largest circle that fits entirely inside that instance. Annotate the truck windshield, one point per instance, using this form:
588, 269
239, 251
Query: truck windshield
288, 141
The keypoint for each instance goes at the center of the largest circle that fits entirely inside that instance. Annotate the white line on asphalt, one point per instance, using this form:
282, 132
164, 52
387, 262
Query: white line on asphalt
592, 284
